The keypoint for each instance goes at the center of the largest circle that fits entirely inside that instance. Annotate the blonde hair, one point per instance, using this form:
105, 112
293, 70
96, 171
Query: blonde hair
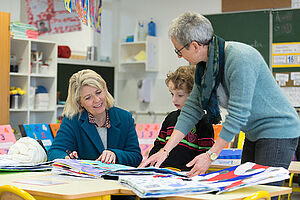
82, 78
182, 78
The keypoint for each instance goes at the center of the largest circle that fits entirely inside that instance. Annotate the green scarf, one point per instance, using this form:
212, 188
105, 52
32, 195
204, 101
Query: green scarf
208, 77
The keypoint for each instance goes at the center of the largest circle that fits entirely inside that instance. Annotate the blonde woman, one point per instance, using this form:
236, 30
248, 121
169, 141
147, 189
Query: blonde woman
92, 127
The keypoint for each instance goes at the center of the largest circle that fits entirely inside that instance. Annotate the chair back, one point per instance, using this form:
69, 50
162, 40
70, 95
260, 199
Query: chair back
9, 192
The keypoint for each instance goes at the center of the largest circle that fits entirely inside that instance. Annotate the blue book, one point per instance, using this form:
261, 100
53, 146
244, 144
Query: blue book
38, 132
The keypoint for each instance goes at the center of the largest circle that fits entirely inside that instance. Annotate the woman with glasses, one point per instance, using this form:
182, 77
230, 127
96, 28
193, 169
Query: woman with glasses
235, 76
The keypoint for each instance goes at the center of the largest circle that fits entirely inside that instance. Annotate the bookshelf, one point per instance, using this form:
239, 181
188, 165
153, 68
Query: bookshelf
30, 74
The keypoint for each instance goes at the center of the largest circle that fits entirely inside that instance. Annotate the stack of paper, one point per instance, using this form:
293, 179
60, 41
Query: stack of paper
21, 30
161, 182
10, 165
84, 168
163, 185
233, 178
97, 169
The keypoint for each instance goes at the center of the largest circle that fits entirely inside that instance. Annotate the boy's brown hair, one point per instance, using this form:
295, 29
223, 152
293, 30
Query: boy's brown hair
182, 78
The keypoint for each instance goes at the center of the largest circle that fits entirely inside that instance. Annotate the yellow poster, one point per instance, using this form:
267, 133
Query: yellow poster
286, 54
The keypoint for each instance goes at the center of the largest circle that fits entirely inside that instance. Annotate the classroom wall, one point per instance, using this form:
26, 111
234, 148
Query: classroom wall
119, 20
13, 7
78, 46
162, 13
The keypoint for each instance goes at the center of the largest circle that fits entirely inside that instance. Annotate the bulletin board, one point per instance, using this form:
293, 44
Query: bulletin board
286, 30
238, 5
289, 82
286, 52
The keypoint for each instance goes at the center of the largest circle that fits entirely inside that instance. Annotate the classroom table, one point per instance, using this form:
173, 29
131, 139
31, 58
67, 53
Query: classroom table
49, 187
237, 194
62, 187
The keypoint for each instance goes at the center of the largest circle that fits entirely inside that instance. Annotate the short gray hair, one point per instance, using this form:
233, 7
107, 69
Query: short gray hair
82, 78
191, 26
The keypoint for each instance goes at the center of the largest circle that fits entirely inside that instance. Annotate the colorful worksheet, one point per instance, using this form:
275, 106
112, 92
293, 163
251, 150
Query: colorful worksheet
245, 175
147, 134
38, 132
7, 138
54, 128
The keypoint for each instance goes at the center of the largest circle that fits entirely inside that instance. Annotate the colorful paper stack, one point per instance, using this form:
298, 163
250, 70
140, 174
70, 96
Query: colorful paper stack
22, 30
32, 34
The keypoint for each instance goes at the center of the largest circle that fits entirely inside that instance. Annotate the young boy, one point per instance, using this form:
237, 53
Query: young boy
199, 139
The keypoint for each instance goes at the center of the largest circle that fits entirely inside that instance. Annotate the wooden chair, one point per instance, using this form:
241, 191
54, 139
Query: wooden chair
10, 192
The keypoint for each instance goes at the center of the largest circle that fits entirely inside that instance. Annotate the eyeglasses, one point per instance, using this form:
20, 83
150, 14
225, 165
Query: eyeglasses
178, 51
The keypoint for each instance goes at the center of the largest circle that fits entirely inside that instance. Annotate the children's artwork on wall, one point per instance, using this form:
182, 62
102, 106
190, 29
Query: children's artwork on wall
147, 134
7, 138
54, 128
38, 132
88, 11
95, 14
51, 17
82, 10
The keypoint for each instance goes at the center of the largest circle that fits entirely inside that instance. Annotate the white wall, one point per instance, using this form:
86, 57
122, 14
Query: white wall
13, 7
78, 41
119, 20
162, 12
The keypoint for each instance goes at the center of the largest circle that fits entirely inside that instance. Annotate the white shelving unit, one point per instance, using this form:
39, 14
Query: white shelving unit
129, 49
26, 78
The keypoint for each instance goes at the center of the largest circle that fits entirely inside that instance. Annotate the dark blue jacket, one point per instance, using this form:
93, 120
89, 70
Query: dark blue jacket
77, 134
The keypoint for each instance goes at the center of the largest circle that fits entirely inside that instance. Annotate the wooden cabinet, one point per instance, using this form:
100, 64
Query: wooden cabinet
4, 66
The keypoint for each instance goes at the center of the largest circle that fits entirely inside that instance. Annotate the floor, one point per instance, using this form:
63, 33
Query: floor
295, 196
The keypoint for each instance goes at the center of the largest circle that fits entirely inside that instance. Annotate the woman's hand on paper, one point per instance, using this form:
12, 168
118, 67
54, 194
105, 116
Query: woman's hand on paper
201, 164
108, 157
155, 160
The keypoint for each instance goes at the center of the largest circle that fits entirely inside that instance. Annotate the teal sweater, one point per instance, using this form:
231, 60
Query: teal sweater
256, 104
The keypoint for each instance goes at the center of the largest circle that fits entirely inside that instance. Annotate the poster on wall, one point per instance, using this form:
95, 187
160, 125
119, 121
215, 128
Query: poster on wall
7, 138
286, 54
95, 14
51, 17
289, 83
147, 134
